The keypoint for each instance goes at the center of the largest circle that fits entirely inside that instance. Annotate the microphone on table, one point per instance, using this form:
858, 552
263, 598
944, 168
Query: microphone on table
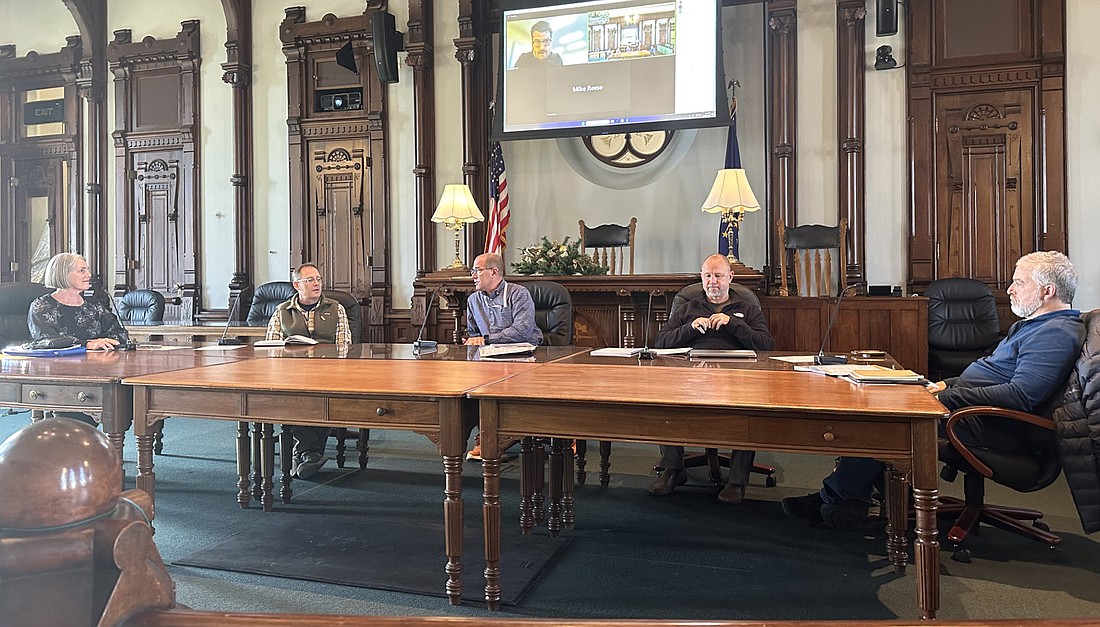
231, 341
421, 344
821, 358
646, 352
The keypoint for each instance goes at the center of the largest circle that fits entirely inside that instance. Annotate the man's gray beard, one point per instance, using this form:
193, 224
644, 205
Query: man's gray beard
1024, 310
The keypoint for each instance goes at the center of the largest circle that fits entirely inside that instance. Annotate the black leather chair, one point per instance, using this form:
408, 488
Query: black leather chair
266, 299
962, 325
140, 306
553, 312
1029, 471
15, 304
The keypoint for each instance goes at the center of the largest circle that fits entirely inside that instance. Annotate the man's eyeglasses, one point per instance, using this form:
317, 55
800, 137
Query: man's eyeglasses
477, 271
310, 280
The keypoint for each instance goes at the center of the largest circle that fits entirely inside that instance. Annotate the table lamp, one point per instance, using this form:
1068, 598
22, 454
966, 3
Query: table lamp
456, 207
732, 197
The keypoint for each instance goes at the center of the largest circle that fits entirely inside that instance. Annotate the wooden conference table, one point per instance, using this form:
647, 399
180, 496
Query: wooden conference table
92, 382
368, 386
744, 408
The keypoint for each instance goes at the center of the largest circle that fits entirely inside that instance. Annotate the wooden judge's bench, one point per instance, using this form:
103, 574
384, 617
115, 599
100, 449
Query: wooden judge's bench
611, 310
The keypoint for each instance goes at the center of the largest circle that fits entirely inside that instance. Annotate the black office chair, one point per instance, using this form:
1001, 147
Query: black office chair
553, 312
1028, 471
962, 325
15, 304
354, 312
266, 299
140, 306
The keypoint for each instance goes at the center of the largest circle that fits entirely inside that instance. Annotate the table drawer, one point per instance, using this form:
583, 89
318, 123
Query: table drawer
10, 392
383, 411
47, 395
826, 435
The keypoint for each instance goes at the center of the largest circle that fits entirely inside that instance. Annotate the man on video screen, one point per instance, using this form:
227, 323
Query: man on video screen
542, 37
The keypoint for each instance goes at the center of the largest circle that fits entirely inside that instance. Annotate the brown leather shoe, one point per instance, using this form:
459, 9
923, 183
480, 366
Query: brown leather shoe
667, 482
474, 454
733, 493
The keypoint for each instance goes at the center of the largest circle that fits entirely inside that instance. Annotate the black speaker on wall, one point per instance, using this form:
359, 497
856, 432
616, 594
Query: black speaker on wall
387, 43
886, 18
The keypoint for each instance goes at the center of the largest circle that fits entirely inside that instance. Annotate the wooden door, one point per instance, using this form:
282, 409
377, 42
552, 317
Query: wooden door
338, 227
41, 224
985, 198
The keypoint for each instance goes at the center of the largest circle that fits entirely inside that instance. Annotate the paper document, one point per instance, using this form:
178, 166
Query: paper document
835, 370
494, 350
731, 353
217, 347
670, 351
614, 351
795, 359
292, 339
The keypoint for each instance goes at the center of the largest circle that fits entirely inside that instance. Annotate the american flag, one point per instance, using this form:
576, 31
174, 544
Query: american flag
495, 236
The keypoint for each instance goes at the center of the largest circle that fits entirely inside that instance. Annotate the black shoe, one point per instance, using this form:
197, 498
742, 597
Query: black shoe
667, 482
807, 508
307, 464
847, 516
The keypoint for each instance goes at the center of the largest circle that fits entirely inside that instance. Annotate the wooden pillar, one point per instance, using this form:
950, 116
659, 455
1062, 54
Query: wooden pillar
237, 73
781, 59
420, 49
473, 53
851, 135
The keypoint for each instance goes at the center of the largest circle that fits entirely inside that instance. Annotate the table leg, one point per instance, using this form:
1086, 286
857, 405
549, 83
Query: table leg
116, 418
567, 500
244, 465
286, 463
605, 463
581, 451
452, 444
526, 484
143, 435
926, 548
557, 463
490, 502
267, 465
538, 493
897, 504
257, 476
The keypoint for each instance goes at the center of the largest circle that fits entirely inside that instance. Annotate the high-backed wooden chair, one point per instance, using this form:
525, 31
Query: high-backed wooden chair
613, 245
809, 251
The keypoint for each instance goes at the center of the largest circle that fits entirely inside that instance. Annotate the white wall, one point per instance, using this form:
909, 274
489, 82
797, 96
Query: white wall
548, 196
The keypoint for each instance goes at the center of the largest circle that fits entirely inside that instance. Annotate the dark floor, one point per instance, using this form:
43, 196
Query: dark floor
630, 555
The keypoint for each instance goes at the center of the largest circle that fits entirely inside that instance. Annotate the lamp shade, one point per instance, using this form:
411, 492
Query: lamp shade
731, 193
457, 205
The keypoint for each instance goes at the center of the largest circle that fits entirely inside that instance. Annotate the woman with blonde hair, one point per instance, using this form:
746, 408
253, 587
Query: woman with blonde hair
67, 311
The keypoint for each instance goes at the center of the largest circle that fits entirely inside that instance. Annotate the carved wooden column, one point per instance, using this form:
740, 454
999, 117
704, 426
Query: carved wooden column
91, 19
1050, 161
237, 73
851, 113
419, 46
781, 59
473, 54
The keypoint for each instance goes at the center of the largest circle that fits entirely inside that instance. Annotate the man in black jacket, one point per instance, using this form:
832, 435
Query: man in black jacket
720, 319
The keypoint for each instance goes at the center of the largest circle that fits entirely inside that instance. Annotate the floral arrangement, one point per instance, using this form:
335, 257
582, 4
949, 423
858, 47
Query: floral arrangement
564, 257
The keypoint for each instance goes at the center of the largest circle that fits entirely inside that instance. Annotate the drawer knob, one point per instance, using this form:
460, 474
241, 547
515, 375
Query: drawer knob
381, 411
82, 397
34, 395
828, 436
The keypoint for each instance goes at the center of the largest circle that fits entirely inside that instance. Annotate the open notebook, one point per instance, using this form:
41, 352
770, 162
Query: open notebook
291, 339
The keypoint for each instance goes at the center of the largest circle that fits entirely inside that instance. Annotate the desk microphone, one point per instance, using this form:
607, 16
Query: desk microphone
646, 353
821, 358
231, 341
421, 344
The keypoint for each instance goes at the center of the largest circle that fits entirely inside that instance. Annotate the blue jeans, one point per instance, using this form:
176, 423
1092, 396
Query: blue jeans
853, 477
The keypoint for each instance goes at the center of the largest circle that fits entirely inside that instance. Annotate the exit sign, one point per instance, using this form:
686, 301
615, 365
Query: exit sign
44, 111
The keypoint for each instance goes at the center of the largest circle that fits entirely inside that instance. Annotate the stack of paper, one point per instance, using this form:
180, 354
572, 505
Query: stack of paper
498, 350
614, 351
883, 375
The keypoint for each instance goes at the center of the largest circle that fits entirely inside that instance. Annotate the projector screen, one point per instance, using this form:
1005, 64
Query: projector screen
586, 68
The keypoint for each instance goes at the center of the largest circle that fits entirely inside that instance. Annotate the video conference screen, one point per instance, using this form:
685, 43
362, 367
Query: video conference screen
589, 67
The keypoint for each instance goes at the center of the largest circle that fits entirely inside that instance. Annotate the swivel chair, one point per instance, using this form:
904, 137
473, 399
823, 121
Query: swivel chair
140, 306
266, 299
15, 304
1026, 471
962, 325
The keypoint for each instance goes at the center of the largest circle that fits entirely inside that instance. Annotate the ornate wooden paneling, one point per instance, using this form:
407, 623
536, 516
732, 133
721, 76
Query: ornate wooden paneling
851, 113
40, 207
781, 60
986, 135
339, 216
237, 73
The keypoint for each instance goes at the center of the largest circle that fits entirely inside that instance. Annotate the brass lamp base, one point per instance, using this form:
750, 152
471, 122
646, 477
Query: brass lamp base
457, 264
